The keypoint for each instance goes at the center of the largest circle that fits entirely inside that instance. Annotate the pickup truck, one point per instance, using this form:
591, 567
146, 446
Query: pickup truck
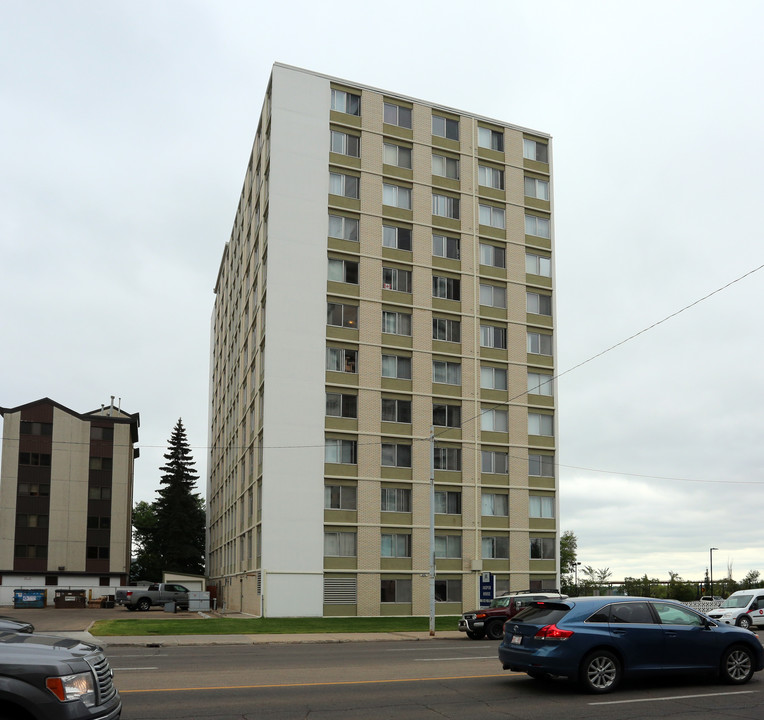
54, 678
142, 598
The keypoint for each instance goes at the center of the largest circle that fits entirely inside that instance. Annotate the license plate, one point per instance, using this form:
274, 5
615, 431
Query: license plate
517, 640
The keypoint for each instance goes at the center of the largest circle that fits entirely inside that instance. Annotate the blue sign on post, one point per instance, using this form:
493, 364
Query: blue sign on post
486, 589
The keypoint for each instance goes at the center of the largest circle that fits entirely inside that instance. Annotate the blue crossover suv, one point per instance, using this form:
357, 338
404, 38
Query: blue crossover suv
600, 640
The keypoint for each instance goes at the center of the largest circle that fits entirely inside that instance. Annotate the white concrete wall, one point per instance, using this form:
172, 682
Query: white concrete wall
295, 346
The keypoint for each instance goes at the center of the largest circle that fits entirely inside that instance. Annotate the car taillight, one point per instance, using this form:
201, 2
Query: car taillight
552, 632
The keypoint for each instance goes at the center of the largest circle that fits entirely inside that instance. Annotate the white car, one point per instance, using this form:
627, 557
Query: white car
744, 608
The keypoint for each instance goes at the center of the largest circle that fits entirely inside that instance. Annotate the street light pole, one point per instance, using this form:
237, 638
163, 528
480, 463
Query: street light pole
711, 569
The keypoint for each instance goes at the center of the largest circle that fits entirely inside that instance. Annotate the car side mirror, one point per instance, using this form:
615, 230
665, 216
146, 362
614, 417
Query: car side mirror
754, 605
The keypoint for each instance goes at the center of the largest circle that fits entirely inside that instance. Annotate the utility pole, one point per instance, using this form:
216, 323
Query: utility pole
432, 531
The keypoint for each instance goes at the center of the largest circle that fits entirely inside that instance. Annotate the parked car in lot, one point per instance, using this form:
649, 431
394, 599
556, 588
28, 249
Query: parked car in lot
743, 608
43, 677
8, 624
490, 621
600, 640
144, 597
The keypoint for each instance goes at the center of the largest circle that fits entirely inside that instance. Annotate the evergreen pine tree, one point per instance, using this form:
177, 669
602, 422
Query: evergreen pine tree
179, 533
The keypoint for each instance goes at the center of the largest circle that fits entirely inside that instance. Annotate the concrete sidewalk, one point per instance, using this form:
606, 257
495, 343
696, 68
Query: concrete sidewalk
109, 641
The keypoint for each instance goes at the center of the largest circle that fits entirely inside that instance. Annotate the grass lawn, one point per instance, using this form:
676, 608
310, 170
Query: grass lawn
251, 626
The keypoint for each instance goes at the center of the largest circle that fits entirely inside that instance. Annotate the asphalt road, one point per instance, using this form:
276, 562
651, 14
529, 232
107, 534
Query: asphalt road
430, 680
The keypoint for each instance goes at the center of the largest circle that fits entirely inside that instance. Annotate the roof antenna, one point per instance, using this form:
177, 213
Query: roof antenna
111, 407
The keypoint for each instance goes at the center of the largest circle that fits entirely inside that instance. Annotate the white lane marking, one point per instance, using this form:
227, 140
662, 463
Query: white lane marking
477, 657
675, 697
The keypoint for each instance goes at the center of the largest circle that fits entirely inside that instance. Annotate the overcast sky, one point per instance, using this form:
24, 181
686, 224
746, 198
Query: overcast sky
125, 130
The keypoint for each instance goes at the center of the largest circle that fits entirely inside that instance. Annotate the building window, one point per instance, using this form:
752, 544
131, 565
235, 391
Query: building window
343, 228
339, 544
541, 506
446, 288
51, 580
341, 452
444, 166
396, 155
397, 115
396, 196
538, 226
448, 373
396, 500
493, 378
396, 545
448, 458
341, 360
340, 405
45, 429
99, 493
445, 206
96, 522
396, 455
491, 139
448, 591
446, 330
538, 265
396, 366
446, 247
29, 521
495, 505
346, 102
397, 411
345, 144
340, 497
339, 315
94, 552
344, 185
492, 255
490, 177
100, 463
395, 591
30, 551
448, 546
493, 337
448, 502
539, 303
446, 415
396, 279
344, 271
539, 343
541, 465
542, 548
493, 296
494, 462
540, 384
396, 323
537, 151
445, 127
535, 188
35, 459
495, 546
539, 424
396, 237
101, 433
494, 420
490, 215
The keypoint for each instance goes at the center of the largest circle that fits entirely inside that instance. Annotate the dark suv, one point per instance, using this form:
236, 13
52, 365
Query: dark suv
490, 621
43, 677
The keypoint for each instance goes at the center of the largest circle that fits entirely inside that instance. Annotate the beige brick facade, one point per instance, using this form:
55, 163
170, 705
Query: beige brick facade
378, 578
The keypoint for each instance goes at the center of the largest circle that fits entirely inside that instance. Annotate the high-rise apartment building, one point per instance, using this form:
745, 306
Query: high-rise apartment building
66, 496
389, 271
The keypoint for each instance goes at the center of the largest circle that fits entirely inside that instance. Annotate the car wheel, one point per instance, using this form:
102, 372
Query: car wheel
737, 665
495, 630
475, 635
600, 672
744, 621
144, 605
